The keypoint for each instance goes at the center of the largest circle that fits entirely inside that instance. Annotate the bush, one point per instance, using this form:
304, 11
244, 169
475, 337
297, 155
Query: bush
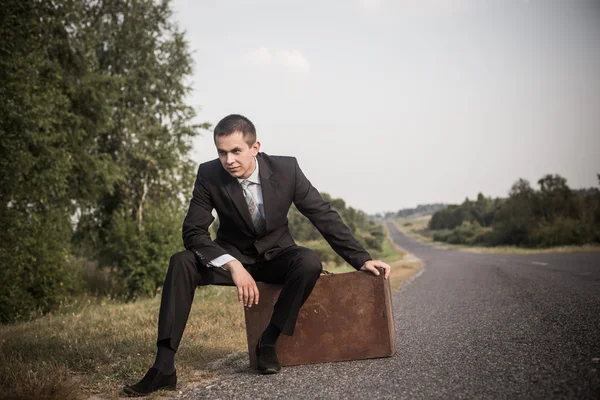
468, 233
323, 250
140, 257
34, 264
555, 215
441, 235
560, 232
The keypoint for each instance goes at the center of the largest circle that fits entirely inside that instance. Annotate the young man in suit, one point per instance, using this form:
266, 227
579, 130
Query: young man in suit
252, 193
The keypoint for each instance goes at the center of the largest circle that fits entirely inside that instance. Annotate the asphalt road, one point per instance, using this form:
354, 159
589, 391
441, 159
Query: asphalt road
470, 326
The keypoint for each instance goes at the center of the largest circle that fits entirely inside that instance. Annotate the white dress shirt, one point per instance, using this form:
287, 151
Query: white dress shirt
256, 191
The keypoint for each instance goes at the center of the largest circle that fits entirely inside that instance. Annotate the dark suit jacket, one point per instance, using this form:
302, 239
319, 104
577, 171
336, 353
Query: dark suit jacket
282, 183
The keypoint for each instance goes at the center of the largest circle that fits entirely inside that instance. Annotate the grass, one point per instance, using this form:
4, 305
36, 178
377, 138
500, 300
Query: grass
417, 228
104, 344
404, 265
92, 346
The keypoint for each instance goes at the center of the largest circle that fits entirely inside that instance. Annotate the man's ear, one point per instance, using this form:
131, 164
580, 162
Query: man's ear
256, 147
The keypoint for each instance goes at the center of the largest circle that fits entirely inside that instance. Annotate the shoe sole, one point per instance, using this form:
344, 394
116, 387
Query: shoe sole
268, 371
132, 392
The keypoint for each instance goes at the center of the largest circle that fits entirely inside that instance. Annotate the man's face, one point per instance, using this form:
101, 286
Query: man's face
236, 156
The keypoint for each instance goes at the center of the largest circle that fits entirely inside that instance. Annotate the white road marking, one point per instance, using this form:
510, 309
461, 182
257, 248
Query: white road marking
539, 263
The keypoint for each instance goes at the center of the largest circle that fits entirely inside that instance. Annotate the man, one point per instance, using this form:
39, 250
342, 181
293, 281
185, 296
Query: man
252, 193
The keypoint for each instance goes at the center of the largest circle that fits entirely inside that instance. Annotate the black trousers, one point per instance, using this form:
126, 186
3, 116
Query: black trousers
296, 268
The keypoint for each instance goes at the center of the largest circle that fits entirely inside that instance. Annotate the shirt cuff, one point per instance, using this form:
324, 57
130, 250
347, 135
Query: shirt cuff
221, 260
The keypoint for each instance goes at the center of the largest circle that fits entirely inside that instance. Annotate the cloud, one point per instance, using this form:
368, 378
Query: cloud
293, 60
290, 60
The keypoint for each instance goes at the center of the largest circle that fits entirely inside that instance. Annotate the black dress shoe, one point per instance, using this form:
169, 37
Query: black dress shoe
266, 358
153, 380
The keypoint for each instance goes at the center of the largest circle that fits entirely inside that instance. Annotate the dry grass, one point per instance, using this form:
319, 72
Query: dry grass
105, 344
91, 347
417, 228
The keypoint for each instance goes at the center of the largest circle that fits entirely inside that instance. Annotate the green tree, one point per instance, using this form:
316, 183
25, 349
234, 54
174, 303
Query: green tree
555, 199
94, 132
141, 52
553, 216
40, 134
516, 219
368, 233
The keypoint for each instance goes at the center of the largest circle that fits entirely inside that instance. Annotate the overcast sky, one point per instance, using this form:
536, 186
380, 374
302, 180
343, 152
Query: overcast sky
391, 104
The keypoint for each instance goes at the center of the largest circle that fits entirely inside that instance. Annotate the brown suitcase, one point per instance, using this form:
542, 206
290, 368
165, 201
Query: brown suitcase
347, 316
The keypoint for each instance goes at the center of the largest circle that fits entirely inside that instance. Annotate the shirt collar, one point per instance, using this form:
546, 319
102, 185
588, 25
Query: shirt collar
254, 177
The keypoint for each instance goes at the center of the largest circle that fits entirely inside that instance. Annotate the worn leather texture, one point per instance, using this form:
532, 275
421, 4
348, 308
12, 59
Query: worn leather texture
347, 316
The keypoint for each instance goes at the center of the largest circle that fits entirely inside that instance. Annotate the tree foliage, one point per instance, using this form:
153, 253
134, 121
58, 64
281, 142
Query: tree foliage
146, 59
481, 211
368, 233
94, 140
39, 131
420, 210
554, 215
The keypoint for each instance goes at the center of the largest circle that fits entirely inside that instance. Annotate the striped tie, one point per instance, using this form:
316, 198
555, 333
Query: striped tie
257, 219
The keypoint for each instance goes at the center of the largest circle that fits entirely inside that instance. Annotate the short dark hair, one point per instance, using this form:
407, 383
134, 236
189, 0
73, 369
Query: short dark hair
236, 123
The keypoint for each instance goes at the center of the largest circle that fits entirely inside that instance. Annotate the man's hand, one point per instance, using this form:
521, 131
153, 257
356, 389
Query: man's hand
247, 289
372, 266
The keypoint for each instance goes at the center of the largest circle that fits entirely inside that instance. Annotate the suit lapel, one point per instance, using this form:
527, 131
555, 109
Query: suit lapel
233, 188
268, 186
